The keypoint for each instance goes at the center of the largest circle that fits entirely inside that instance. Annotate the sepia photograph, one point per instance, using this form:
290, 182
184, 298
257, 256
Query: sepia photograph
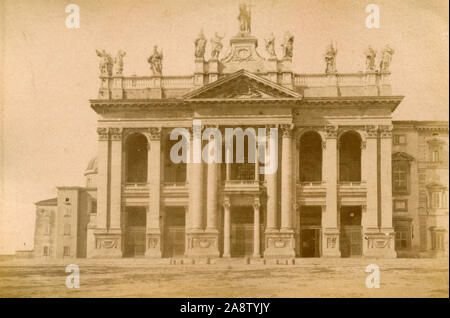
228, 150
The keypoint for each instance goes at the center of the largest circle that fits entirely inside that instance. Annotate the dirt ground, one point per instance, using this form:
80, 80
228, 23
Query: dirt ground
146, 278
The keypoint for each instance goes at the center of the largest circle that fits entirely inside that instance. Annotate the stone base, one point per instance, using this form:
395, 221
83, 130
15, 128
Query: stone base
379, 244
330, 243
203, 244
279, 244
153, 244
108, 244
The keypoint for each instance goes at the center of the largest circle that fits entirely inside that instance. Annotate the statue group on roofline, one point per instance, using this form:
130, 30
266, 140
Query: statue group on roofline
330, 58
200, 45
106, 63
155, 61
288, 45
216, 45
244, 18
384, 59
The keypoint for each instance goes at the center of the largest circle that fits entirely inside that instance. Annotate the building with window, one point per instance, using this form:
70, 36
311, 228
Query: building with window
348, 180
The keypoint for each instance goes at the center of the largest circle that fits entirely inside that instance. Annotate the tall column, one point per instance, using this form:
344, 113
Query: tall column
379, 236
286, 178
154, 183
256, 229
370, 168
116, 178
211, 202
256, 160
330, 230
227, 227
271, 183
386, 176
107, 234
196, 182
102, 178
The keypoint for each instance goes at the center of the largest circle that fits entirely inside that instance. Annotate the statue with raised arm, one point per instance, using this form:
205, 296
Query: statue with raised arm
216, 44
386, 58
370, 54
270, 45
330, 59
200, 44
106, 63
244, 18
288, 45
118, 62
155, 61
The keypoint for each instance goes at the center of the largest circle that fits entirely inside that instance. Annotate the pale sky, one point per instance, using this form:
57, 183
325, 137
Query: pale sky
50, 72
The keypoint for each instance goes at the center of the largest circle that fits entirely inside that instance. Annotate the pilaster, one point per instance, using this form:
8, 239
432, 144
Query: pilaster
153, 227
330, 228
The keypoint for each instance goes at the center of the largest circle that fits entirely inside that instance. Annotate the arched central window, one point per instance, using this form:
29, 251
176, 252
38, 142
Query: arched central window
350, 157
136, 158
173, 172
310, 158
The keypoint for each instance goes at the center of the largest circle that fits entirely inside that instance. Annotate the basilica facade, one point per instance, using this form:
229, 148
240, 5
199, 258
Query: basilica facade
348, 180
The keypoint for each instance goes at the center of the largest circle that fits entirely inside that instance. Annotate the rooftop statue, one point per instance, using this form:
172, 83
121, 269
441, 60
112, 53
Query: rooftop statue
386, 58
244, 18
370, 59
106, 63
270, 45
216, 44
288, 45
330, 59
118, 62
200, 44
155, 61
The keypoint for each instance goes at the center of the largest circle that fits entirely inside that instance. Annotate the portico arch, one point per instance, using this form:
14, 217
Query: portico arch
136, 157
310, 157
350, 156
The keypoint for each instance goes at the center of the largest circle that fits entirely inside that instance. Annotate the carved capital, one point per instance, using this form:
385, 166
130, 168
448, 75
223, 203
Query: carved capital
363, 145
226, 203
155, 133
371, 131
102, 133
286, 130
331, 131
115, 133
385, 131
256, 203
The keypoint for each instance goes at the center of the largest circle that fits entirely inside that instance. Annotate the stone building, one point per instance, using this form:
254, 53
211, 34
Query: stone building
349, 181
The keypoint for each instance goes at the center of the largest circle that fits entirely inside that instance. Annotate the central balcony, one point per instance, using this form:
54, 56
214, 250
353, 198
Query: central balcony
351, 191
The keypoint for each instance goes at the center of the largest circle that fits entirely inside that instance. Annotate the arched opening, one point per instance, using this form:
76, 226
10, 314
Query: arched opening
136, 158
350, 157
310, 159
173, 172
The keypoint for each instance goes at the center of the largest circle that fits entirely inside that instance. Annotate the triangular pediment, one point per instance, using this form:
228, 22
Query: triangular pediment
242, 85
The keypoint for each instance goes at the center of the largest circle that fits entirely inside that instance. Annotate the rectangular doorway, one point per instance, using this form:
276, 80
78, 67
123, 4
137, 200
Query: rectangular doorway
175, 229
310, 231
135, 231
351, 231
241, 231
